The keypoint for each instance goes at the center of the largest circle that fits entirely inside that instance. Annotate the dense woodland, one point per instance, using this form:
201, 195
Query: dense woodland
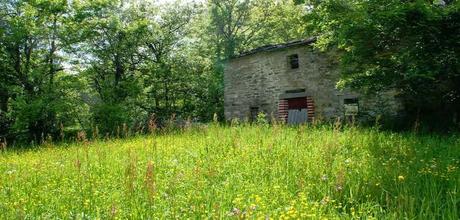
106, 65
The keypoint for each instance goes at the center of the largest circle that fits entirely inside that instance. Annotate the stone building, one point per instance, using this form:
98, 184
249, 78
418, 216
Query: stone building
294, 83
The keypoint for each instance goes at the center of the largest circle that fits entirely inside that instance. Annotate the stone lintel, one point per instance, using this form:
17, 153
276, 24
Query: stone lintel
293, 95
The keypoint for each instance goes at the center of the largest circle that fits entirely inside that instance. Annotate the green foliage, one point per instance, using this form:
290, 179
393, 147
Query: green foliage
411, 47
37, 97
238, 26
238, 172
262, 118
79, 64
109, 117
70, 65
44, 115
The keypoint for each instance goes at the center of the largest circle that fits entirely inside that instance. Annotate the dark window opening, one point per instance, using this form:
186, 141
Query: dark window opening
350, 101
351, 107
294, 61
254, 113
296, 91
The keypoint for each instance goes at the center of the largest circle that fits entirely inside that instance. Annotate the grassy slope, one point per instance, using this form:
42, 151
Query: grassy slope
243, 171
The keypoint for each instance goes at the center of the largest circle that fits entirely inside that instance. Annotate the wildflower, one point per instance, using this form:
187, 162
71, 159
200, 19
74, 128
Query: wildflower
235, 211
150, 179
401, 178
78, 164
10, 172
451, 168
325, 200
237, 200
324, 178
338, 188
258, 199
113, 211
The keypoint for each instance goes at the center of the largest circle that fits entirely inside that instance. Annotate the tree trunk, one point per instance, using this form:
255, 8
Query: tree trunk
4, 96
52, 70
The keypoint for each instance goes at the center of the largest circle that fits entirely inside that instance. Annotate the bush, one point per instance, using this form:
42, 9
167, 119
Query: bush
109, 118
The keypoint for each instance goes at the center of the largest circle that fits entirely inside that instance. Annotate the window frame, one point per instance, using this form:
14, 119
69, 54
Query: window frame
294, 61
349, 104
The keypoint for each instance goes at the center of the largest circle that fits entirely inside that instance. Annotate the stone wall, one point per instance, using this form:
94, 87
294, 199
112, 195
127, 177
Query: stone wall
258, 80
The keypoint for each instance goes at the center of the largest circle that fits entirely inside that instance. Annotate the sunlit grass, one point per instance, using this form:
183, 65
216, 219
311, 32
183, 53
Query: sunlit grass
238, 172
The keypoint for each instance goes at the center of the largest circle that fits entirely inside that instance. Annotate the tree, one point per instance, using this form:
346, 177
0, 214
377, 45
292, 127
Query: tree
111, 34
169, 80
239, 25
410, 46
137, 61
32, 34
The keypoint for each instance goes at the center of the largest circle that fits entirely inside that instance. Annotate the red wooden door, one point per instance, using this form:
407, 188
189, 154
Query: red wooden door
298, 103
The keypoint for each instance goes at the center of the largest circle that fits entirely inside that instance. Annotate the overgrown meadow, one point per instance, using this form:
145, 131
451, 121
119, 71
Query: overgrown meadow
243, 171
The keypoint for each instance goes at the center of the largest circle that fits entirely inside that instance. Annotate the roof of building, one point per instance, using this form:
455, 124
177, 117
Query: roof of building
277, 47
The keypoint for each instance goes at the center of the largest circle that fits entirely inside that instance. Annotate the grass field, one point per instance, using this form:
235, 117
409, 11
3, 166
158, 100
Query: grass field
238, 172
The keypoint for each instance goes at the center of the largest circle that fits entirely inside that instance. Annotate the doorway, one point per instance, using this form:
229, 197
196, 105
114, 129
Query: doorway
297, 110
296, 107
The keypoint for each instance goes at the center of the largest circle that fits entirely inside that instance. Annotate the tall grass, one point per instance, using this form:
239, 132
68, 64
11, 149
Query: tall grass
242, 171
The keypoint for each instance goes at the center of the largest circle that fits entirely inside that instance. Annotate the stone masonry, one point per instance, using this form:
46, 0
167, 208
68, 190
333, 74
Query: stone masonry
263, 80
